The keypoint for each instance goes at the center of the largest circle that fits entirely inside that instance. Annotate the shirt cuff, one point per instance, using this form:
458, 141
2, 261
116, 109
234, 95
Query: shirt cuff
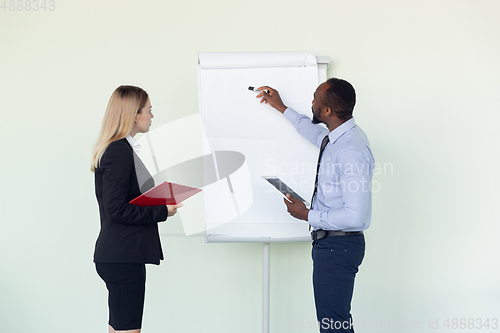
313, 217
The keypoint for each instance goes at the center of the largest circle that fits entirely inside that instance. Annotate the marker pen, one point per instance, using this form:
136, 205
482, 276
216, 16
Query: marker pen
257, 90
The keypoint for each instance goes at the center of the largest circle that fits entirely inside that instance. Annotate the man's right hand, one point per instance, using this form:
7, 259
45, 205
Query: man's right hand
273, 98
172, 209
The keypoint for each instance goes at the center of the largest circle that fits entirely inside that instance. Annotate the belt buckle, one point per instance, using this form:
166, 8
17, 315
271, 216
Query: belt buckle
318, 234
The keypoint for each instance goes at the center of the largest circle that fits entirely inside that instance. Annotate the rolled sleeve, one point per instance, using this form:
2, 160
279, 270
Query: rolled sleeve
314, 218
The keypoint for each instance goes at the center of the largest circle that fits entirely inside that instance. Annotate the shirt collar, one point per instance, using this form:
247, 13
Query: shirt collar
337, 133
135, 146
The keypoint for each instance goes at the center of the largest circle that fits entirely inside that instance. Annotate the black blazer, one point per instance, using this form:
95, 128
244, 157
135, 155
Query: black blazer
129, 234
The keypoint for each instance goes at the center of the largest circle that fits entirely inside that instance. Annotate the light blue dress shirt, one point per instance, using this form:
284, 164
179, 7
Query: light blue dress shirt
344, 197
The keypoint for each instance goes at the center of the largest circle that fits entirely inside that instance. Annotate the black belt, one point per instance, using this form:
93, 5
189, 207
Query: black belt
318, 234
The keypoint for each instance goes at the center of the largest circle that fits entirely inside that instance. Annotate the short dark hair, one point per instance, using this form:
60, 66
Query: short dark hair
340, 97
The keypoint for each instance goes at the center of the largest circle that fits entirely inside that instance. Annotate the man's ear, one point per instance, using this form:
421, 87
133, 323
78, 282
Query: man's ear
328, 111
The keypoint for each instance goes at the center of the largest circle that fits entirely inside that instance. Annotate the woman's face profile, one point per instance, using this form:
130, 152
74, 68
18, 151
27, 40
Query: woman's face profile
143, 119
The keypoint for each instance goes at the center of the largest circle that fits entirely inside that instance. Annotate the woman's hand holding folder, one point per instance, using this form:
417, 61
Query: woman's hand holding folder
172, 209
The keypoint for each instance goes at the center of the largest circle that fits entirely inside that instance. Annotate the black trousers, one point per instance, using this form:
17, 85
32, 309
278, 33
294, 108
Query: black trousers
126, 284
336, 260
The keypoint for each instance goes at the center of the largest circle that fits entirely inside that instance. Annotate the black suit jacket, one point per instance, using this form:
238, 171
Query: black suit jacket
129, 234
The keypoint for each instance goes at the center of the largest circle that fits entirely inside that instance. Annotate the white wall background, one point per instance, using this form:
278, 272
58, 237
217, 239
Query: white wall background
426, 75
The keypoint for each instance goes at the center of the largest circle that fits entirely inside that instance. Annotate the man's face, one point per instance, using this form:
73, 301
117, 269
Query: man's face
317, 103
315, 119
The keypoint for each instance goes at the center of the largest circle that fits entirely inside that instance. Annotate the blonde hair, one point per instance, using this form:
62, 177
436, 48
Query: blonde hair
119, 119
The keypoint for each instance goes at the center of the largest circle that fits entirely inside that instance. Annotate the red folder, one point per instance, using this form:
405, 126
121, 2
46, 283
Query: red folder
165, 194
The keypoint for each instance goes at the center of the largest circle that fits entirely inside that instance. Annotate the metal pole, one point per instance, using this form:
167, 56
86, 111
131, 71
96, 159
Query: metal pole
265, 287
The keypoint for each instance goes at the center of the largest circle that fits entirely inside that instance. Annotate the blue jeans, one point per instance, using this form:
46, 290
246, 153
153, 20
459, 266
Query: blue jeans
336, 260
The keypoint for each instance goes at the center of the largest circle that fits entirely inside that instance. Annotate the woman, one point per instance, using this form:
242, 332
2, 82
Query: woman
129, 236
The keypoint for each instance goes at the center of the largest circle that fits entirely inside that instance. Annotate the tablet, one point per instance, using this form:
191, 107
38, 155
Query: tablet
283, 188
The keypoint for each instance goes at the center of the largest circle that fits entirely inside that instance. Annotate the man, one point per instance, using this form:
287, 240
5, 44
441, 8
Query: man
341, 205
